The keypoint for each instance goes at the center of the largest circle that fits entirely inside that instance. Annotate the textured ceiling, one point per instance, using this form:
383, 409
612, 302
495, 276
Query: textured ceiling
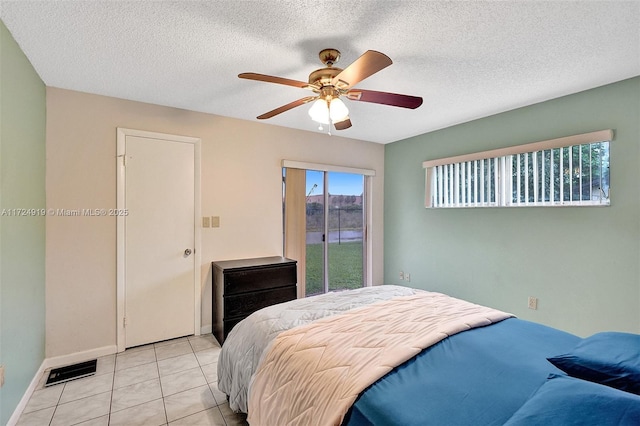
466, 59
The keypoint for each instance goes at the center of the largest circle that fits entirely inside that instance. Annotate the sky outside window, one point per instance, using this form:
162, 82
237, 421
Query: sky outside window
339, 183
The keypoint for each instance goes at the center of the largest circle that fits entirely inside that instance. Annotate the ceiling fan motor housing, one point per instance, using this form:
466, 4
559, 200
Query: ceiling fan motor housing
323, 76
329, 56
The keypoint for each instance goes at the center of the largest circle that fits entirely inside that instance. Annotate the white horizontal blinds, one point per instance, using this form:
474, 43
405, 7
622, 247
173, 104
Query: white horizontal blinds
468, 184
502, 173
570, 175
518, 175
561, 176
461, 184
481, 182
552, 181
472, 167
456, 184
548, 176
580, 181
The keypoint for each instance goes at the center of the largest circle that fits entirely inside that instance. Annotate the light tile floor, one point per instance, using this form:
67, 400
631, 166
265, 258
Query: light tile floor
168, 383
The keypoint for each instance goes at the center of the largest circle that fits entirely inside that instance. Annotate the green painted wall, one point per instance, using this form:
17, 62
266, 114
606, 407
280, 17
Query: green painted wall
22, 257
581, 263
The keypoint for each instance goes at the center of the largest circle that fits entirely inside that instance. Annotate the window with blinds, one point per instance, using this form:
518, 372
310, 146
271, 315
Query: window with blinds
570, 171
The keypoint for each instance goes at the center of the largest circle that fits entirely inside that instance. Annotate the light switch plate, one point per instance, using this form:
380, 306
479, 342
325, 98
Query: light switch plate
215, 221
206, 221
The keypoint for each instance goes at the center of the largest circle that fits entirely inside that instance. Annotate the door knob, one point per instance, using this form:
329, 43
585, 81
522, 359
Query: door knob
187, 252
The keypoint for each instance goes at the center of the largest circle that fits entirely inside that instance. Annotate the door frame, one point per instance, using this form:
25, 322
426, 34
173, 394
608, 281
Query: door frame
122, 134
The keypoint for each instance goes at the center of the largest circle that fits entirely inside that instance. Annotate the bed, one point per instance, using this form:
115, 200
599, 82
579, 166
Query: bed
426, 358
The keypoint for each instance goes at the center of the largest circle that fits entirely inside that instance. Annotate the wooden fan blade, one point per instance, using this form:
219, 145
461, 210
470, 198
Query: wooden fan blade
365, 66
278, 80
342, 125
286, 107
385, 98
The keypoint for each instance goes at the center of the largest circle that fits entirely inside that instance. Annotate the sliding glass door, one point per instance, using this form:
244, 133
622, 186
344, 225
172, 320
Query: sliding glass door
334, 231
315, 234
345, 231
324, 222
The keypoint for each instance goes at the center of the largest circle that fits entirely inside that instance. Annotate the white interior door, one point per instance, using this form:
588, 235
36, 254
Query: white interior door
159, 240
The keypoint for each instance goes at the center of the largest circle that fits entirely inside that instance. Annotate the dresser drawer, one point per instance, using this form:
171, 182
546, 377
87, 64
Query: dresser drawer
242, 286
242, 281
242, 305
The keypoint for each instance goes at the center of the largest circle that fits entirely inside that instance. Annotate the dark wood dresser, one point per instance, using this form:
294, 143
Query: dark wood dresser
241, 287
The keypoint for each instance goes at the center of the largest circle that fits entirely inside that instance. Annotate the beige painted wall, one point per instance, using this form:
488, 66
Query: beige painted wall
241, 183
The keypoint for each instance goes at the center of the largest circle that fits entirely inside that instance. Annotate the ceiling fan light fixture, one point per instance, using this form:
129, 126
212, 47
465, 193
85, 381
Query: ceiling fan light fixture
338, 111
319, 111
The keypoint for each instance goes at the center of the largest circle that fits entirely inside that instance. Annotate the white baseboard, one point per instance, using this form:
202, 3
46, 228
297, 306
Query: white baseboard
59, 361
25, 398
54, 362
206, 329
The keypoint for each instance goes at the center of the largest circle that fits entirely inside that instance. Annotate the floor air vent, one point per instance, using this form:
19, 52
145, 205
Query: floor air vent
71, 372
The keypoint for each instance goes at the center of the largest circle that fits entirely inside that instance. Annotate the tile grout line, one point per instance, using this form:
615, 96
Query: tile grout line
209, 386
57, 402
138, 382
113, 384
193, 351
64, 385
164, 406
224, 419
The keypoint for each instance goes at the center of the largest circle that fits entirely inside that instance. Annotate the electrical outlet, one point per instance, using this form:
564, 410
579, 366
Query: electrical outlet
1, 375
401, 276
407, 276
533, 303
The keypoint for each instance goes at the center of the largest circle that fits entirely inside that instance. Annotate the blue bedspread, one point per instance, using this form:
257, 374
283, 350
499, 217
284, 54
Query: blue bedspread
477, 377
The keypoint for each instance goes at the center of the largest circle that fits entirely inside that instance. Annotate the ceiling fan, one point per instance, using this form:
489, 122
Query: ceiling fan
330, 83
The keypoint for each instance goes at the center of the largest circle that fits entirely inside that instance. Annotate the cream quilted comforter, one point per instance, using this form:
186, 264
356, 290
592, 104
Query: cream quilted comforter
248, 341
312, 374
